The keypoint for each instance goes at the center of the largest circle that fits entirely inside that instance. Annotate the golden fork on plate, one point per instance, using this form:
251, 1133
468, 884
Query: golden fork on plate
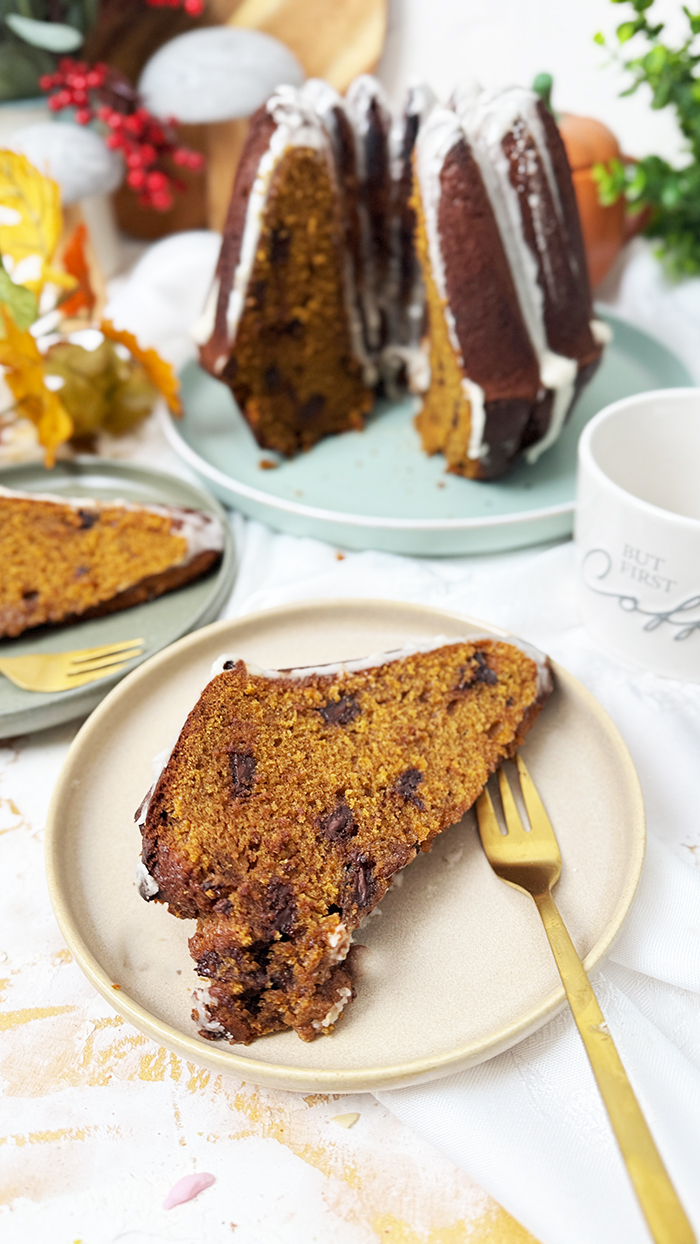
61, 671
529, 860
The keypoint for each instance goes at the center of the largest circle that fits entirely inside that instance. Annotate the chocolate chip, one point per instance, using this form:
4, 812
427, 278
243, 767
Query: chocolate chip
30, 597
228, 665
272, 379
340, 712
242, 772
312, 407
407, 784
339, 823
281, 906
224, 907
209, 963
87, 519
81, 571
478, 670
251, 999
293, 329
361, 880
280, 241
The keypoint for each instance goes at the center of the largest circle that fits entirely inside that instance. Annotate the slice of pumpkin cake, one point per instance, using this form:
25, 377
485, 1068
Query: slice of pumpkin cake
277, 328
291, 799
63, 560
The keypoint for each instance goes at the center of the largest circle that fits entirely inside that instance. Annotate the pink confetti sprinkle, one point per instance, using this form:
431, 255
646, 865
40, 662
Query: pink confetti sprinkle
187, 1188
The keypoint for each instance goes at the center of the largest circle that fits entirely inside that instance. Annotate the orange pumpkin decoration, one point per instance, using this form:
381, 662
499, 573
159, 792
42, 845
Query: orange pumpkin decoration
605, 230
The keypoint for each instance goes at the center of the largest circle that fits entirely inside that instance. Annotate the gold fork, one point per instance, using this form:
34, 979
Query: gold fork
61, 671
529, 860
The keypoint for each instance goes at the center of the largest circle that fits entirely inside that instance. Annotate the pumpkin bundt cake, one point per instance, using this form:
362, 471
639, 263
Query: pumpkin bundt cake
352, 235
65, 560
291, 799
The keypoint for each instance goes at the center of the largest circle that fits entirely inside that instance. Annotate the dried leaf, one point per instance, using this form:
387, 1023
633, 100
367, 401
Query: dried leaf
19, 300
75, 263
161, 373
24, 374
30, 218
101, 391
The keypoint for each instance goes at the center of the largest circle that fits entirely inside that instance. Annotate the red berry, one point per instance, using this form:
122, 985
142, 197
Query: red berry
113, 141
54, 104
136, 178
161, 200
149, 153
156, 180
83, 115
46, 81
194, 8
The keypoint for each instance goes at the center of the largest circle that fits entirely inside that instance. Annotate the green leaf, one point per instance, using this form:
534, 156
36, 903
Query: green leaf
542, 86
599, 38
20, 69
52, 36
626, 31
19, 300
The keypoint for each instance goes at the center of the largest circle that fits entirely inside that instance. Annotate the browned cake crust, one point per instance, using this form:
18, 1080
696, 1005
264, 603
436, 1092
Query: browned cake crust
288, 804
63, 562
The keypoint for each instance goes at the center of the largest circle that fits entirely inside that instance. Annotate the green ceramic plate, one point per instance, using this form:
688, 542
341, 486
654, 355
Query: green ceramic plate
160, 622
377, 490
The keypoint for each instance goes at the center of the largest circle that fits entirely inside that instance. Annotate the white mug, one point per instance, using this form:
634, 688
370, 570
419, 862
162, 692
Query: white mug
637, 530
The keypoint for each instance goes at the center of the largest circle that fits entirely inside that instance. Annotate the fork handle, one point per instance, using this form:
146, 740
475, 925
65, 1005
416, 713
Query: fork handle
660, 1204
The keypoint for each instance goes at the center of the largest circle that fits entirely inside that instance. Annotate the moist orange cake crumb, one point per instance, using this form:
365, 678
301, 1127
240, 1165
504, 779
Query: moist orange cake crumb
63, 559
290, 801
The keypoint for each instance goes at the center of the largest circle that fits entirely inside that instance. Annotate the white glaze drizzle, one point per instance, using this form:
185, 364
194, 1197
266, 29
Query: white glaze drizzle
145, 883
344, 996
201, 532
478, 447
601, 332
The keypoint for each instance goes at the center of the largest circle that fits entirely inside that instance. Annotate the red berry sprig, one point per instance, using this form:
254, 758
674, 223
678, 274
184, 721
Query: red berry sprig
99, 92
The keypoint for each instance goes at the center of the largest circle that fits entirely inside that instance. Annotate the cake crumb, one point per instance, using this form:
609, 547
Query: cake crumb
340, 557
268, 464
345, 1120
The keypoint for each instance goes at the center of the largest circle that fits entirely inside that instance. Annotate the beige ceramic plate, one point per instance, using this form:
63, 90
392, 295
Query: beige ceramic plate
457, 967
